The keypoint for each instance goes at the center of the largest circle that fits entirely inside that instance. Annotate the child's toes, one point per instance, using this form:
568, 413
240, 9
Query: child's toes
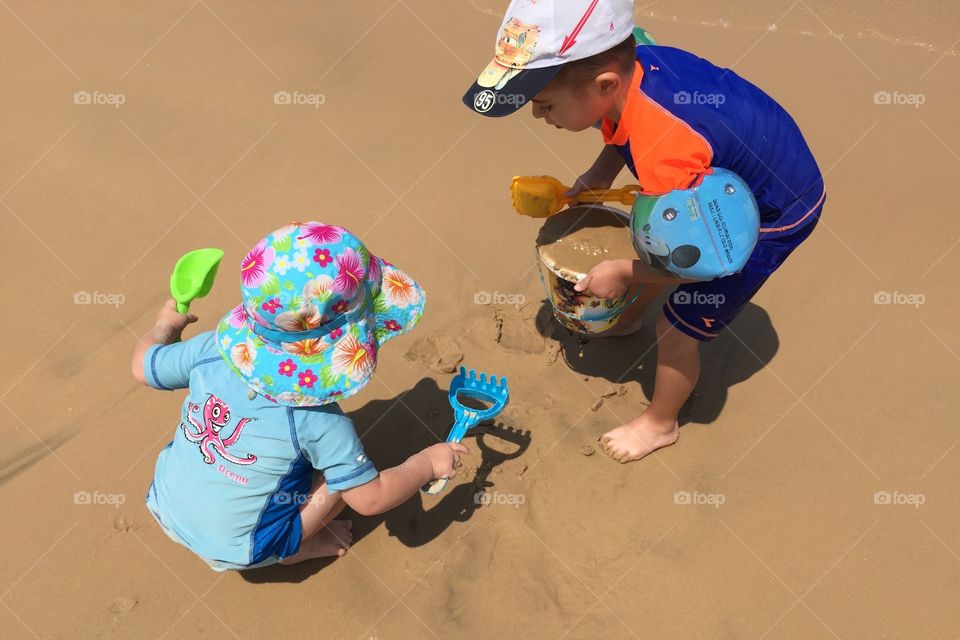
616, 453
340, 530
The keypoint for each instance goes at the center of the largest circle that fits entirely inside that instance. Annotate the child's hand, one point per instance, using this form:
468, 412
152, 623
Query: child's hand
445, 458
608, 280
166, 330
591, 179
171, 323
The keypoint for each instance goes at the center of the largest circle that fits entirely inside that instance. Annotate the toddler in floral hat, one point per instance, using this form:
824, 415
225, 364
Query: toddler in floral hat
264, 459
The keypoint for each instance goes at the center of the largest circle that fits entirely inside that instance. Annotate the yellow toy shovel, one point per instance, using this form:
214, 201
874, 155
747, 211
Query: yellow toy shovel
193, 276
543, 196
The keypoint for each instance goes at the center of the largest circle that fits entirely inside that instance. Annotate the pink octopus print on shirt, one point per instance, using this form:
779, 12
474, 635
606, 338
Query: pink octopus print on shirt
216, 415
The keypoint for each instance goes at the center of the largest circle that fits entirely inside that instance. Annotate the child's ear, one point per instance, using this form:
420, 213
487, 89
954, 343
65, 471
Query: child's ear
608, 82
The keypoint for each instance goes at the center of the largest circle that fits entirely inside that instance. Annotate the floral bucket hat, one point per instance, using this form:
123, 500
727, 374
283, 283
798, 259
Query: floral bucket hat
317, 306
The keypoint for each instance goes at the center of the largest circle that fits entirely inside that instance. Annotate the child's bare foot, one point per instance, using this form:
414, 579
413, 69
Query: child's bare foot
333, 540
638, 438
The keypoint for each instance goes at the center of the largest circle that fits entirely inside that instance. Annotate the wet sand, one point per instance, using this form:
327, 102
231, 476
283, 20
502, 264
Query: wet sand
578, 238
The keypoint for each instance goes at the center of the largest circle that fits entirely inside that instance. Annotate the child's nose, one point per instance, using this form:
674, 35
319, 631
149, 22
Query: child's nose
537, 110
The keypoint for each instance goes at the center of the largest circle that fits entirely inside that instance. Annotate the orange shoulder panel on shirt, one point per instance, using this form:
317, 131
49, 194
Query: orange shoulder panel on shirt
667, 153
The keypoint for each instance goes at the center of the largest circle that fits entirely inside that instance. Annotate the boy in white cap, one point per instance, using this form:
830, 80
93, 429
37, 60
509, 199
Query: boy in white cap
669, 117
263, 459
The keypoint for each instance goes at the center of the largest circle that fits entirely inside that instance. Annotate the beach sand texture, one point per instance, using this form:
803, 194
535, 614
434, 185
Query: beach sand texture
812, 492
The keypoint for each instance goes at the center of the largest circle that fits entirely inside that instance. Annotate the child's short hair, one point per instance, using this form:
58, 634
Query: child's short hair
577, 72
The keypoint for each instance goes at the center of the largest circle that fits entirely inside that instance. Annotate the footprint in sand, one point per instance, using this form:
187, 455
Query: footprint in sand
516, 330
439, 352
122, 605
610, 392
123, 524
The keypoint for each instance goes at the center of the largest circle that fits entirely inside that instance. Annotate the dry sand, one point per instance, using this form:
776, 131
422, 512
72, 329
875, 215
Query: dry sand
761, 522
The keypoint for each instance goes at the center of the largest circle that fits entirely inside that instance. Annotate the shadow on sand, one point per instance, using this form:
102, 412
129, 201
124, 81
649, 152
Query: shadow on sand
398, 428
742, 350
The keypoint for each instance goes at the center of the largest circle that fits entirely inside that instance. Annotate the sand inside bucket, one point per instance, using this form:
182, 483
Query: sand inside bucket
573, 241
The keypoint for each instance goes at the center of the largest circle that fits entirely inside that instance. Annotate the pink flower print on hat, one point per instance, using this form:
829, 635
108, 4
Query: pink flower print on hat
322, 257
318, 233
287, 367
254, 267
307, 378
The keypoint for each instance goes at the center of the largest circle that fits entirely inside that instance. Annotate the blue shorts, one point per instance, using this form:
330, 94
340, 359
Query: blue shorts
702, 309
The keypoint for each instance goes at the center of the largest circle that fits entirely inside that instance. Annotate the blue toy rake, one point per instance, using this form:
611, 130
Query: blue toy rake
468, 385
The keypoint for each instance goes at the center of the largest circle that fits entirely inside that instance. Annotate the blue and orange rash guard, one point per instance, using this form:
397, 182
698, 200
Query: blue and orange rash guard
687, 115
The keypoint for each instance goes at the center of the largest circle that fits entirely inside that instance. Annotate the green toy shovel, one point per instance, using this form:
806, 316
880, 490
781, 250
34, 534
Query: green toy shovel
193, 276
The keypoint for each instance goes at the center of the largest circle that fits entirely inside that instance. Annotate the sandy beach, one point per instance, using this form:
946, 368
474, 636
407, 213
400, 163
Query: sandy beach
812, 492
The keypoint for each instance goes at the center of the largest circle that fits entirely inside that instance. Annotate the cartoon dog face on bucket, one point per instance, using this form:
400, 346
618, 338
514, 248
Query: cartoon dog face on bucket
701, 233
656, 253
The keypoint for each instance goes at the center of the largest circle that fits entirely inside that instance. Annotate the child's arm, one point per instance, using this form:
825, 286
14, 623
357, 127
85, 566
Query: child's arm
395, 486
167, 329
601, 173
